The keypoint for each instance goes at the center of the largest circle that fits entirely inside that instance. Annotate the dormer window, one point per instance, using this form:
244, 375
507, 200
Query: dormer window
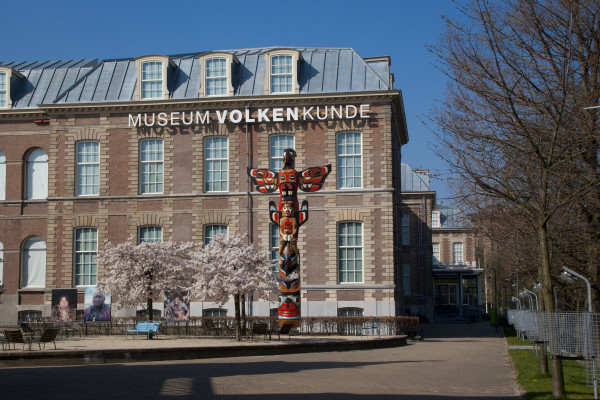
3, 91
216, 74
281, 74
216, 77
435, 219
152, 79
153, 72
8, 77
282, 71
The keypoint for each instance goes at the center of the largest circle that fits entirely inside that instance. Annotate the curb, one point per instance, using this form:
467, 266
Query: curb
111, 356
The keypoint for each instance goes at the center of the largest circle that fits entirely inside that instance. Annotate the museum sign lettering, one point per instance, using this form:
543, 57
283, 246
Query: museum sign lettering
274, 114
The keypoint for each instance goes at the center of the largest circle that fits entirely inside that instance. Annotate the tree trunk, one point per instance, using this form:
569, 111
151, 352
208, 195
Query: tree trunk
149, 309
558, 382
238, 331
243, 330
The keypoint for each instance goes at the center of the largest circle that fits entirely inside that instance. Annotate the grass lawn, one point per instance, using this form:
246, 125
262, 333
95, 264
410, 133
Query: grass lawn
540, 386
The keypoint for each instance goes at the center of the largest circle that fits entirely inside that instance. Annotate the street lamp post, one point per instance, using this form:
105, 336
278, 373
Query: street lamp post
536, 299
495, 293
567, 276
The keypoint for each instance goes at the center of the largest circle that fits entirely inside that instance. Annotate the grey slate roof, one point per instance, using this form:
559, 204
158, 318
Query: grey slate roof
413, 181
328, 70
323, 70
45, 81
451, 217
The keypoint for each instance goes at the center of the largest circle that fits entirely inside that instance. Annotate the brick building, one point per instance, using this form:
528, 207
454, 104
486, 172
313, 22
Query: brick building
158, 147
440, 273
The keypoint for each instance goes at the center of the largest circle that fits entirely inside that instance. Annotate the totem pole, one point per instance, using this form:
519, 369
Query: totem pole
289, 217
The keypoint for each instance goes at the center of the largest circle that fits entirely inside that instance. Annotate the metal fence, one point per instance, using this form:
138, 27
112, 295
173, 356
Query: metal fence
566, 335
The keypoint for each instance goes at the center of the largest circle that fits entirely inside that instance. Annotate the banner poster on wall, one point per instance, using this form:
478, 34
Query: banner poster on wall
97, 305
177, 308
64, 305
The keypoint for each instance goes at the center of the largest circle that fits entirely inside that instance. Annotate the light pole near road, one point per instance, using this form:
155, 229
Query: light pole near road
495, 294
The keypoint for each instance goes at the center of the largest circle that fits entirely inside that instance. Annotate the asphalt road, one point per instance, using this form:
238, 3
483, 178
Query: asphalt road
453, 362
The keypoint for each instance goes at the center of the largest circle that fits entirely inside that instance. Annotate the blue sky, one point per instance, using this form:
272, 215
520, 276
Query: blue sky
52, 30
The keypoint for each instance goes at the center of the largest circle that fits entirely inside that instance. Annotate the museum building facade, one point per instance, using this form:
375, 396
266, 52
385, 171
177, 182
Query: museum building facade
158, 147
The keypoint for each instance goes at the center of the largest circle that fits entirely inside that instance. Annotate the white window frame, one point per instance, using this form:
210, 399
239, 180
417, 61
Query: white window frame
343, 156
458, 257
37, 175
165, 64
88, 168
152, 169
150, 234
10, 75
230, 61
406, 284
405, 226
436, 219
34, 263
345, 246
1, 262
85, 248
219, 229
2, 176
435, 253
4, 89
274, 239
276, 149
210, 163
296, 57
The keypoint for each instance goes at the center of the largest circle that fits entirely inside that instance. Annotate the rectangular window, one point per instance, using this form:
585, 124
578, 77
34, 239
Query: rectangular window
151, 166
150, 234
274, 245
406, 279
281, 74
405, 228
349, 150
88, 168
212, 230
350, 252
435, 248
217, 164
86, 248
3, 90
216, 77
277, 144
435, 219
152, 80
457, 253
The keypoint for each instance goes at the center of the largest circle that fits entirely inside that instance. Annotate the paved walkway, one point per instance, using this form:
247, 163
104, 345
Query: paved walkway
453, 362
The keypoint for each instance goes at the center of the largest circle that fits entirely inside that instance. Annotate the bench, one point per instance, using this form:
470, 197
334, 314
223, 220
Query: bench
260, 328
150, 328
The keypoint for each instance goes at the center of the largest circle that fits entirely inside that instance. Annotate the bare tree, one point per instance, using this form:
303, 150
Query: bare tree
512, 125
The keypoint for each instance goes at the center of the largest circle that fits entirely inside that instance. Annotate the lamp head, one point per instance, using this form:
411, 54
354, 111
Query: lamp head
566, 277
537, 287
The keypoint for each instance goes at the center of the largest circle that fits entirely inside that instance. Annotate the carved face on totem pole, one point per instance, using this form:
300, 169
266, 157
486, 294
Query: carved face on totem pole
289, 217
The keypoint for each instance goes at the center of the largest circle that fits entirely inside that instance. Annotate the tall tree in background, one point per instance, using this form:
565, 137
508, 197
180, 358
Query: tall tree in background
140, 273
228, 266
512, 124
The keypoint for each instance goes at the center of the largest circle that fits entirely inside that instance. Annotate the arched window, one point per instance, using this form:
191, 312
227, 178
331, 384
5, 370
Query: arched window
37, 175
2, 176
34, 263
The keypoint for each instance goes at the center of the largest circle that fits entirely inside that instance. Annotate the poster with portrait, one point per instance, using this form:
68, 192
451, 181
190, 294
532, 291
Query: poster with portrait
177, 306
64, 305
97, 305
